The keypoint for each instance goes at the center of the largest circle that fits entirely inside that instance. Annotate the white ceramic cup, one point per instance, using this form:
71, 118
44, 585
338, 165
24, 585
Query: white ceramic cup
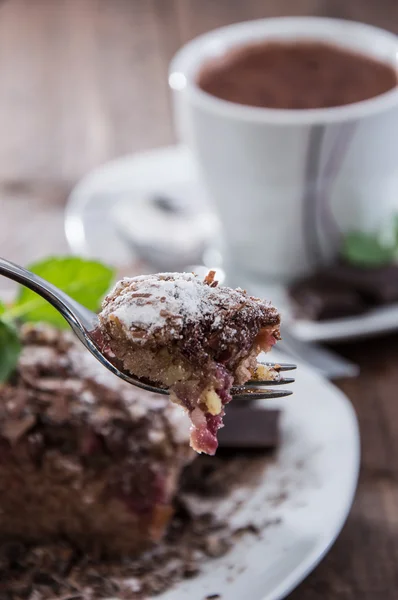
288, 184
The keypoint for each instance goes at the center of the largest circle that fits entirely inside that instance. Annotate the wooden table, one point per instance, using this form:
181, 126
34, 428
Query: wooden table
82, 81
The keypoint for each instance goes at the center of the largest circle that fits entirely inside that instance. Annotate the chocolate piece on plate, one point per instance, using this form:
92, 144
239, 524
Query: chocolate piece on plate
318, 299
250, 427
376, 285
343, 290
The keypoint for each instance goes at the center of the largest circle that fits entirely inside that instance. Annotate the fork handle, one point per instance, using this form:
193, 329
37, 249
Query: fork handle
63, 303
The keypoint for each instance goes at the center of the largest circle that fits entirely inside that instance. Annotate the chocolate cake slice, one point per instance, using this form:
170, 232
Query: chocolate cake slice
192, 337
84, 456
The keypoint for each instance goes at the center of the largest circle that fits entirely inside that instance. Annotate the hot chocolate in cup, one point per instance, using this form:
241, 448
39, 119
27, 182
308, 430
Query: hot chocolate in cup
294, 154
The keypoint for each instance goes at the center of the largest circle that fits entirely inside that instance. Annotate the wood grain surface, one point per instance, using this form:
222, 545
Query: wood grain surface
83, 81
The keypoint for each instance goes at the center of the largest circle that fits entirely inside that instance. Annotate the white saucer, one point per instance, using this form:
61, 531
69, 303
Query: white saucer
314, 478
375, 322
90, 213
90, 220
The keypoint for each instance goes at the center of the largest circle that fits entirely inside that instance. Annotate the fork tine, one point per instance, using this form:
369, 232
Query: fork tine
278, 366
249, 393
281, 381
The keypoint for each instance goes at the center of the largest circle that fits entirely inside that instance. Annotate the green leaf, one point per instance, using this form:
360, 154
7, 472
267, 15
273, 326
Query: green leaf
84, 280
2, 308
395, 225
366, 250
10, 348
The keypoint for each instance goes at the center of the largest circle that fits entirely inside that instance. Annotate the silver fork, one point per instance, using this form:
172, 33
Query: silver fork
85, 324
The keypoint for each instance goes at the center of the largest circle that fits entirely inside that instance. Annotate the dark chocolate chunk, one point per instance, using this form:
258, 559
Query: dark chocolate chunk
377, 285
344, 290
250, 427
319, 300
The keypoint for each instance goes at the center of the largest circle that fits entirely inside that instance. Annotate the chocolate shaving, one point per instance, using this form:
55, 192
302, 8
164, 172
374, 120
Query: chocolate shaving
58, 411
14, 429
209, 279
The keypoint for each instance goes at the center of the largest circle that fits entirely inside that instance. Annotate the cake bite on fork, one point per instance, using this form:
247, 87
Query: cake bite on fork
198, 340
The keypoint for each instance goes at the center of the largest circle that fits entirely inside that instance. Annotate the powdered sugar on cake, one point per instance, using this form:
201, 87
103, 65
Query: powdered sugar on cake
174, 300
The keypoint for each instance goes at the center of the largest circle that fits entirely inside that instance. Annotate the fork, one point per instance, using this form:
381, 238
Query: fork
85, 324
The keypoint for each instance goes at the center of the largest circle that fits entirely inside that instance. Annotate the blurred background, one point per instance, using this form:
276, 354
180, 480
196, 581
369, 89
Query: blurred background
84, 81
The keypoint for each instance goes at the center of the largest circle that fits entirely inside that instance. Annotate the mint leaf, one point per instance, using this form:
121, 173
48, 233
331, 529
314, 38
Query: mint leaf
84, 280
395, 228
365, 250
10, 348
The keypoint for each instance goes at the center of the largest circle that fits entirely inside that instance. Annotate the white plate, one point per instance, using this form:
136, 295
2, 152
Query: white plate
316, 474
305, 496
89, 220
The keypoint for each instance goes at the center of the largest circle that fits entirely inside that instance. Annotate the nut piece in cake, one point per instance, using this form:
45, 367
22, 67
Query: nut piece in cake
85, 456
190, 336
